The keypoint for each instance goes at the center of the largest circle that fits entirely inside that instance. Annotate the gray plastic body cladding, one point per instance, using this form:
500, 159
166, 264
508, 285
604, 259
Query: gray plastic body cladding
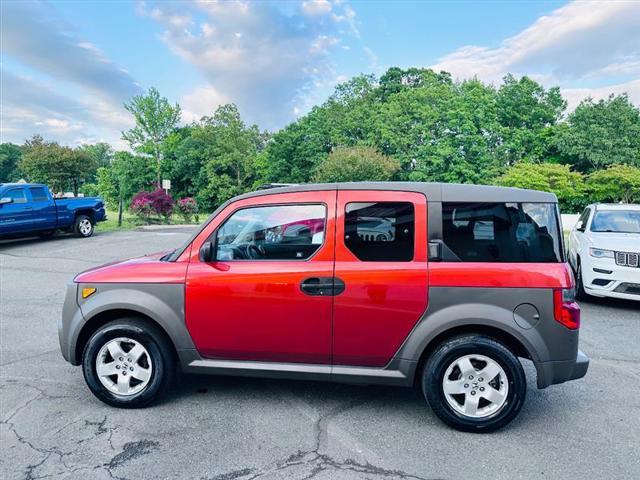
164, 303
552, 347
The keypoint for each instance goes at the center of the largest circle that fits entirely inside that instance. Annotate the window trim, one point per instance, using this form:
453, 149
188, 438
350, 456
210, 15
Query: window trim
231, 214
415, 243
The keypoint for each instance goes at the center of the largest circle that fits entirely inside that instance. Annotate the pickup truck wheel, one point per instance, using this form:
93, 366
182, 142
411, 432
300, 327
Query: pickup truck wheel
128, 364
83, 226
474, 383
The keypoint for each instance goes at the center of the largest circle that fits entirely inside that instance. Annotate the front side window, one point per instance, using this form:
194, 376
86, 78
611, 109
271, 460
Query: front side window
502, 232
381, 231
278, 232
17, 195
616, 221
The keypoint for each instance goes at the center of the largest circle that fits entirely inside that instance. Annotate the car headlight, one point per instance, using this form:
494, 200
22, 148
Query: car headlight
600, 253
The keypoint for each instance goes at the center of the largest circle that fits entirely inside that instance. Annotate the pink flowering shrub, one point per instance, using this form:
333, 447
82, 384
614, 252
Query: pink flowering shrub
146, 204
187, 207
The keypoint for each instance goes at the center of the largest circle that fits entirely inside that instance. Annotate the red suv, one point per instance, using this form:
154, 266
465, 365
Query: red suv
436, 285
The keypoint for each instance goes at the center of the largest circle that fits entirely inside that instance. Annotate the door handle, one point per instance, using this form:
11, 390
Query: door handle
322, 286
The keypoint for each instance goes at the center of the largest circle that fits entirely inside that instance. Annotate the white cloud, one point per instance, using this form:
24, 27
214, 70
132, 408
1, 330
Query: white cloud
316, 7
575, 45
200, 102
254, 54
575, 95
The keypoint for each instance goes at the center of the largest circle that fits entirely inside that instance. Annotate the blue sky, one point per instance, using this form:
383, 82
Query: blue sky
68, 66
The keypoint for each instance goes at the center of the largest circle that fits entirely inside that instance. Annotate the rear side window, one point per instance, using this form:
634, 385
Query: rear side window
38, 194
278, 232
17, 195
381, 231
502, 232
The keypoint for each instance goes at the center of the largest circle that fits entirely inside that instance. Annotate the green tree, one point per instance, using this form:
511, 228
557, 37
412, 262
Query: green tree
59, 167
101, 153
216, 158
155, 119
549, 177
602, 133
356, 164
616, 183
10, 155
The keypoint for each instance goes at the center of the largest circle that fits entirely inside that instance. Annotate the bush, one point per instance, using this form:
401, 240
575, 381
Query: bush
187, 208
356, 164
89, 190
146, 204
617, 183
548, 177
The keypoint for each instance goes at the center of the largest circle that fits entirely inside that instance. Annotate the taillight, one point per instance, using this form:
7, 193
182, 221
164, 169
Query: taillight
565, 309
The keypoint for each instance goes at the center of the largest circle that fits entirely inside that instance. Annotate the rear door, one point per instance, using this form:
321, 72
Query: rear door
381, 257
43, 213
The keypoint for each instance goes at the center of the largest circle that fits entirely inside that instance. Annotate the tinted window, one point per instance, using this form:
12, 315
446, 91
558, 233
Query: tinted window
380, 232
38, 194
281, 232
502, 232
620, 221
17, 194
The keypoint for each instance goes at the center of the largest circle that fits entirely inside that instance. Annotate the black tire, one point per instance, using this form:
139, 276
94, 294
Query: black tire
580, 293
161, 358
83, 226
451, 350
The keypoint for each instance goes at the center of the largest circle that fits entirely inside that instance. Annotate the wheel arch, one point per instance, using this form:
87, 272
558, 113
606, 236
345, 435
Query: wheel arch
99, 320
84, 211
510, 341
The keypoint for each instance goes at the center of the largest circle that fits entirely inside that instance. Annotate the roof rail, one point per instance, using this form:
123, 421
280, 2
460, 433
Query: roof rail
267, 186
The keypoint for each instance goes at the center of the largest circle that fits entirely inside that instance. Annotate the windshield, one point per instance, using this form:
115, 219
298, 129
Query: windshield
616, 221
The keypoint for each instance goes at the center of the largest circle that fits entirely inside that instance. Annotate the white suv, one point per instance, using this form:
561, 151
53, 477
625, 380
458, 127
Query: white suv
604, 251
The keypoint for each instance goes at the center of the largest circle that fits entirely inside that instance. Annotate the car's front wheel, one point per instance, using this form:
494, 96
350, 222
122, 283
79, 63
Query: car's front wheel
128, 363
83, 226
580, 292
474, 383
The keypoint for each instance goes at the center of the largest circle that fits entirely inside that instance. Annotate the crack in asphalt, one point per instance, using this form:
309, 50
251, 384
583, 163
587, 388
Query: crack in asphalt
318, 461
129, 452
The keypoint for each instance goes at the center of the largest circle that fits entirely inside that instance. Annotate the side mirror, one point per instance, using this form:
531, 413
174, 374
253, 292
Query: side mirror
206, 252
5, 200
580, 227
435, 251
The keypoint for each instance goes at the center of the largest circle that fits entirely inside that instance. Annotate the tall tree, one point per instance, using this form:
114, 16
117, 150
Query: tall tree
59, 167
155, 119
101, 153
10, 155
602, 133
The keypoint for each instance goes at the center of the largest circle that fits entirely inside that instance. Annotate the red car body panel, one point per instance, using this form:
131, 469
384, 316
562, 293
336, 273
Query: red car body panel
382, 301
255, 310
497, 275
147, 269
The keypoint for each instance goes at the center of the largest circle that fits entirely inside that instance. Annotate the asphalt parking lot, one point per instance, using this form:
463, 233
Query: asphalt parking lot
237, 428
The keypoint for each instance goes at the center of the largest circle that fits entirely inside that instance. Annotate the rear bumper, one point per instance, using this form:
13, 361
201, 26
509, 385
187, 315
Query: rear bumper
551, 373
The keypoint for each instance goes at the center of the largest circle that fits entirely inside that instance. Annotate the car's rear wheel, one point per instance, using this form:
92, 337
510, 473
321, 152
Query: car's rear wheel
83, 226
474, 383
128, 363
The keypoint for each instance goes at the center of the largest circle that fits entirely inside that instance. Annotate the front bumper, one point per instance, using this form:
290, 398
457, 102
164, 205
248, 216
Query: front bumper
621, 282
551, 373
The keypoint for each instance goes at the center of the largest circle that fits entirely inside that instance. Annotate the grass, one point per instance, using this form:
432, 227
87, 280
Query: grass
130, 221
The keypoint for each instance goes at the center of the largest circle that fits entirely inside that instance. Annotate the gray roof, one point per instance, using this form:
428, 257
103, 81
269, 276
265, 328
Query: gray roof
435, 192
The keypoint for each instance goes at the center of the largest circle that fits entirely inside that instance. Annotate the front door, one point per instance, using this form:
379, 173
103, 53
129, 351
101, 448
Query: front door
15, 217
381, 256
267, 296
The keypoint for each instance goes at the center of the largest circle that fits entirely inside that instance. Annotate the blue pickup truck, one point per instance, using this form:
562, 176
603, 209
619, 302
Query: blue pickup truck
28, 209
